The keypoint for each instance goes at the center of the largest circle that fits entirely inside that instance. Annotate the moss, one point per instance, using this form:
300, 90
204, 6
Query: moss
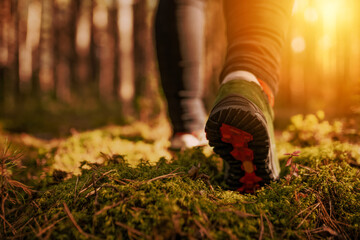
123, 197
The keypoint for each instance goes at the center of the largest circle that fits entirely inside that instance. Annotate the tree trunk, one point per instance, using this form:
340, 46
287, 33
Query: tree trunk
113, 16
126, 89
83, 40
5, 21
46, 64
146, 92
62, 50
34, 41
105, 48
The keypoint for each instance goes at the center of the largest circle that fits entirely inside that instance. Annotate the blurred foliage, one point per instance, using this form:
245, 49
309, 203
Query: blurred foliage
70, 52
57, 119
312, 129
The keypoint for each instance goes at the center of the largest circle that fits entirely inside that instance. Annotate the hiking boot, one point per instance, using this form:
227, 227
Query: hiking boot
240, 128
182, 141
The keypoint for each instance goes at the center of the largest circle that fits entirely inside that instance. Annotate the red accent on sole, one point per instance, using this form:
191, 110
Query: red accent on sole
239, 139
250, 183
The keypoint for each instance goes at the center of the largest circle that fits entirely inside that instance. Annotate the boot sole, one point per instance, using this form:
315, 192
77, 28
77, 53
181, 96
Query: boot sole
237, 130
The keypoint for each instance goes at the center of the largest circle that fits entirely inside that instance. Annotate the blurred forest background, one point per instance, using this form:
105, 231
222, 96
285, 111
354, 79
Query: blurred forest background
72, 57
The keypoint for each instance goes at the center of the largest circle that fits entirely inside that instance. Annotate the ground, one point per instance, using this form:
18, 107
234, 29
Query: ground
122, 182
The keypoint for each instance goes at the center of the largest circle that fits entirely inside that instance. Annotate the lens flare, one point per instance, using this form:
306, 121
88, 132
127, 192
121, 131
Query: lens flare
298, 44
310, 14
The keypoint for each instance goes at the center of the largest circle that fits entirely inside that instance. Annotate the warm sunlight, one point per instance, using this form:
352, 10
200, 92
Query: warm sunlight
330, 8
325, 17
298, 44
311, 14
154, 119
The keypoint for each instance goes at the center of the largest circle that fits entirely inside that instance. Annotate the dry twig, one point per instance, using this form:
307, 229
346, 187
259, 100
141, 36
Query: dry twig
301, 223
5, 221
229, 233
76, 184
42, 231
170, 175
91, 184
132, 230
203, 229
271, 228
72, 219
261, 226
96, 203
301, 212
104, 209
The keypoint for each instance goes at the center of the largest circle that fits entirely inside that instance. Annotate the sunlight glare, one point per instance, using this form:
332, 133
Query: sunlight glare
310, 14
299, 5
100, 16
330, 9
298, 44
332, 13
325, 42
83, 34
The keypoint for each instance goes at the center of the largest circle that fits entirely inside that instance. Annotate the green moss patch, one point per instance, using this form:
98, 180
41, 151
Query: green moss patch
184, 197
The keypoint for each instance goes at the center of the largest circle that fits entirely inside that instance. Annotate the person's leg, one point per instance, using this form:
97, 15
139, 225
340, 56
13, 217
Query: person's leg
179, 29
240, 126
256, 31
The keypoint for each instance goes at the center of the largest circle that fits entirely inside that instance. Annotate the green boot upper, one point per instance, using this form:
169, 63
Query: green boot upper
256, 95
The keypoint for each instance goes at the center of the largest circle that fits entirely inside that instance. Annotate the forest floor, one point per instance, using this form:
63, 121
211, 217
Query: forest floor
122, 182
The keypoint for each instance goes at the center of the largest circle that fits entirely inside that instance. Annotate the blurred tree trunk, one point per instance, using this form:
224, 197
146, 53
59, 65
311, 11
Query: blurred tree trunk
5, 21
343, 71
285, 81
74, 11
126, 89
215, 45
24, 49
62, 50
12, 54
16, 83
34, 28
310, 68
147, 94
113, 31
93, 60
46, 61
83, 39
105, 48
2, 87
